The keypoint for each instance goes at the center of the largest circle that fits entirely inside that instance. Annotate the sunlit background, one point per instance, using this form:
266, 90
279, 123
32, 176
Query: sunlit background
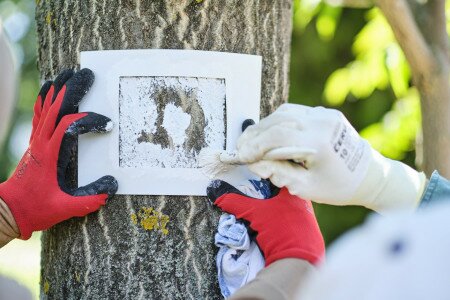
342, 58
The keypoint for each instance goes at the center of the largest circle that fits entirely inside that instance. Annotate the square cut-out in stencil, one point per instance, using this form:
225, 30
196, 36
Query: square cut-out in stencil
165, 121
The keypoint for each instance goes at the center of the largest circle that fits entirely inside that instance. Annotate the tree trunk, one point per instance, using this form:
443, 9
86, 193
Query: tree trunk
434, 87
114, 253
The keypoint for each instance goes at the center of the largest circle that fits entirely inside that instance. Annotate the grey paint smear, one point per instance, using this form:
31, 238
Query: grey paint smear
166, 121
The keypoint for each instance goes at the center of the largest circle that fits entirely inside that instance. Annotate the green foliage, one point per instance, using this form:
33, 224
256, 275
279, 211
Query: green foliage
379, 64
392, 136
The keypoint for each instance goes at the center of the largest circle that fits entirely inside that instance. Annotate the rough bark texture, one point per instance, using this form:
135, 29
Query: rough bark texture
118, 253
434, 87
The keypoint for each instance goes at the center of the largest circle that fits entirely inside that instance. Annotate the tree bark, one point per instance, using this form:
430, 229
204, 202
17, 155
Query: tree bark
114, 253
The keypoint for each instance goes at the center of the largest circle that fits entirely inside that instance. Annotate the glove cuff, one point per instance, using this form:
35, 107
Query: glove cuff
390, 185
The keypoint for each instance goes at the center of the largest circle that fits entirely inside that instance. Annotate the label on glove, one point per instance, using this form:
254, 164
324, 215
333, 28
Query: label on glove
348, 145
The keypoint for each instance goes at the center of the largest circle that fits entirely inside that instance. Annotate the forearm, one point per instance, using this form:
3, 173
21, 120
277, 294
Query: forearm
281, 280
8, 227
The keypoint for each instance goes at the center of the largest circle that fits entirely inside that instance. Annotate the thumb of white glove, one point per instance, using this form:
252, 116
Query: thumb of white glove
342, 169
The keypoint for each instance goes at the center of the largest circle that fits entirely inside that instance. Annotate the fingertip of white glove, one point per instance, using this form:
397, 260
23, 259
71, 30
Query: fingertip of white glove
281, 174
263, 169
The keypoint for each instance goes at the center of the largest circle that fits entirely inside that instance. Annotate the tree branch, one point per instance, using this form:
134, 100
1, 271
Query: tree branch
431, 20
417, 52
437, 8
352, 3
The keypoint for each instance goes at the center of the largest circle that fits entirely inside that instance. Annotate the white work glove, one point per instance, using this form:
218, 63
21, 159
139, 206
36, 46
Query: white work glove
340, 168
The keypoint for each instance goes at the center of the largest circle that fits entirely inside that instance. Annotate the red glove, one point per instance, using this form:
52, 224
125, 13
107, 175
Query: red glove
286, 226
38, 194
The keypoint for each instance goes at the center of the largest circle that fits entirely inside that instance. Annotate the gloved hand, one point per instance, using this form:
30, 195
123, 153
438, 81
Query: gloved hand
285, 225
38, 194
339, 167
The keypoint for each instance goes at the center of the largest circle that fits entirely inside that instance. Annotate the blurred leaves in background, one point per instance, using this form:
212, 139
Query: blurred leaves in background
365, 65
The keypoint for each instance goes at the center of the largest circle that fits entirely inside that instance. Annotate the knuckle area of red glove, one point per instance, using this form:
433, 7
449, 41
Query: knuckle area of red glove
236, 205
221, 203
60, 97
66, 123
225, 204
68, 120
38, 105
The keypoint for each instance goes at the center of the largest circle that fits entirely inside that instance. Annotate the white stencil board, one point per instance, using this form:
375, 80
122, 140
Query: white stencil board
155, 98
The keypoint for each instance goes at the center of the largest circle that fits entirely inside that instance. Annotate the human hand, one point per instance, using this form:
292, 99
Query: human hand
38, 194
285, 225
338, 167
